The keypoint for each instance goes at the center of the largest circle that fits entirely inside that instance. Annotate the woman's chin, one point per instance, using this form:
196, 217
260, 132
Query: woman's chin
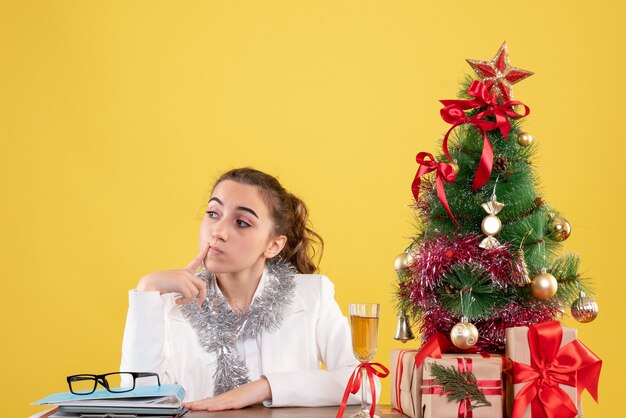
215, 267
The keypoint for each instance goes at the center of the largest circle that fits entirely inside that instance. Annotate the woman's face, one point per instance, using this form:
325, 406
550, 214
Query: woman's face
239, 229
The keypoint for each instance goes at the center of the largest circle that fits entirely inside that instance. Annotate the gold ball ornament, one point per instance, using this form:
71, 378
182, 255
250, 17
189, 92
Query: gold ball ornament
560, 228
464, 335
544, 285
402, 262
491, 225
525, 139
584, 309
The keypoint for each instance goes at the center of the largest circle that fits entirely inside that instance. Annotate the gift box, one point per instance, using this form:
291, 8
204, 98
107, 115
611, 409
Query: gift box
487, 368
406, 374
547, 358
406, 379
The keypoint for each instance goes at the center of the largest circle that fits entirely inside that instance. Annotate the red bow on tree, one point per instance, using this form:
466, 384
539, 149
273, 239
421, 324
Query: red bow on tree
454, 113
572, 365
444, 172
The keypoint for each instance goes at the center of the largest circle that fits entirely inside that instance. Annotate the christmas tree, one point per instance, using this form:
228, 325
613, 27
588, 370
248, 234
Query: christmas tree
485, 256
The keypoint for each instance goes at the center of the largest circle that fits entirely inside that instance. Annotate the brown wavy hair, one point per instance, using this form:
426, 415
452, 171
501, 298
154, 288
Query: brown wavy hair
291, 218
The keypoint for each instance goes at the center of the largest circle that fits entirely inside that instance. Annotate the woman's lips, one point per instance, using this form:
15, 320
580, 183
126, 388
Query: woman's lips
215, 251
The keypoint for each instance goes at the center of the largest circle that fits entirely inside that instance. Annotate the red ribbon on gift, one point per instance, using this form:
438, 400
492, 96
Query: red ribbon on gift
434, 347
465, 406
354, 384
399, 371
444, 172
572, 365
454, 113
439, 344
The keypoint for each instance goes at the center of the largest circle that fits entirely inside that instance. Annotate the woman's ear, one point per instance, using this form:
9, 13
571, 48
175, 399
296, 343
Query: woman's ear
275, 246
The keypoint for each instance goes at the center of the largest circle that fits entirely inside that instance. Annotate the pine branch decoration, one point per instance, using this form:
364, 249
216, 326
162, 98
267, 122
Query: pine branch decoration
458, 385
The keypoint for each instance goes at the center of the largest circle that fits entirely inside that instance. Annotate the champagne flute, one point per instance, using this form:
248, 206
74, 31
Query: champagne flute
364, 325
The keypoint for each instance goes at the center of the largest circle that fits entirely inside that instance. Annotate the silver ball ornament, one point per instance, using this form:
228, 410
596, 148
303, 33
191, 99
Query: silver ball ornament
584, 309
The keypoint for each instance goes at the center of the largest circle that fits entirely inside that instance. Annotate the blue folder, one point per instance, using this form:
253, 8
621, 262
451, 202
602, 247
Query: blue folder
164, 399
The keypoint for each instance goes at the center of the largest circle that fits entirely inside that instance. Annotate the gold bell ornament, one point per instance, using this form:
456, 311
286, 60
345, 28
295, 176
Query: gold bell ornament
560, 229
584, 309
464, 334
544, 285
403, 329
491, 224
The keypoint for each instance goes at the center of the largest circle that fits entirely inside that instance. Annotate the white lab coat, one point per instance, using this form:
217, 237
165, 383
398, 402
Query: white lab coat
157, 338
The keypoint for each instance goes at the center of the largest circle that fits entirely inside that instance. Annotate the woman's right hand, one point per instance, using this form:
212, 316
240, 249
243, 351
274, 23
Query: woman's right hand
183, 281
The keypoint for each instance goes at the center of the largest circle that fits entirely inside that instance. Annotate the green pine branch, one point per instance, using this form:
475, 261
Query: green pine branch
565, 271
468, 291
458, 386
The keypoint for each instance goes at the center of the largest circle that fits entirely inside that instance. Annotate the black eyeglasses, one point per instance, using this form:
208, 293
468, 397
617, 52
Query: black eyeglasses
84, 384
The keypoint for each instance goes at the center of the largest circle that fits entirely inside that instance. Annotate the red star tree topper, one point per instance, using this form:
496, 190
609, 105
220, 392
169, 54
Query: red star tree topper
498, 75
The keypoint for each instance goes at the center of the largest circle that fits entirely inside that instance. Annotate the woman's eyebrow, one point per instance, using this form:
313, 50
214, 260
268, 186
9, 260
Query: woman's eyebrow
248, 210
245, 209
216, 200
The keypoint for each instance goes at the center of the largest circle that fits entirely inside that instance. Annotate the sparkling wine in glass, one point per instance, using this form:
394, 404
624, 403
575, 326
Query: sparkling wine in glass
364, 325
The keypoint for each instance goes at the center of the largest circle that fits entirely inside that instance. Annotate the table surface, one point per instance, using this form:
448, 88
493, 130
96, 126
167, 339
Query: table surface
383, 411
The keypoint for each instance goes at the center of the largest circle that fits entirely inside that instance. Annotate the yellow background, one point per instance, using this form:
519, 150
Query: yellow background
116, 117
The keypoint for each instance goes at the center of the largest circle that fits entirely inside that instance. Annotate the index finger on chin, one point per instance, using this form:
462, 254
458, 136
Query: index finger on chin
195, 263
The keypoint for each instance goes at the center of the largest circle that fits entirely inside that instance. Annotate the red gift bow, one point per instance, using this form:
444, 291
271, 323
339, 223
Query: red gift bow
488, 387
354, 384
454, 113
573, 365
444, 172
435, 347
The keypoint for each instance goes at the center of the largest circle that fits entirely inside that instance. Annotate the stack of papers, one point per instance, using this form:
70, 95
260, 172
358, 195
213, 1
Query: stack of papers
143, 400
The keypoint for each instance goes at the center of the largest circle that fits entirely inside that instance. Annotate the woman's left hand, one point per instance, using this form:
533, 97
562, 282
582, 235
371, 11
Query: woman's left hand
245, 395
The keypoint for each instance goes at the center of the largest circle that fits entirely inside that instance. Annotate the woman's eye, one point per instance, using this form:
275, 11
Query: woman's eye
242, 224
211, 213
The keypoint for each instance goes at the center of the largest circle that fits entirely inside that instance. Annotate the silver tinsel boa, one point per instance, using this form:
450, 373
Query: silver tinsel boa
219, 327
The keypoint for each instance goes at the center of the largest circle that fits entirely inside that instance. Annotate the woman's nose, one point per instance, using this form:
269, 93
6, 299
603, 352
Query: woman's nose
220, 230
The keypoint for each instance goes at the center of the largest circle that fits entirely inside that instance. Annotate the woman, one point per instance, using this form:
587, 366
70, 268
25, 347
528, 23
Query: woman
253, 323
